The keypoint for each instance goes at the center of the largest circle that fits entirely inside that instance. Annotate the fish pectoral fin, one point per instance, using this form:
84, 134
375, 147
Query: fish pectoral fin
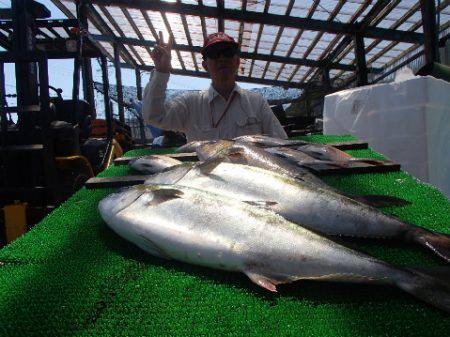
262, 281
163, 195
149, 246
209, 165
376, 200
371, 161
269, 205
236, 156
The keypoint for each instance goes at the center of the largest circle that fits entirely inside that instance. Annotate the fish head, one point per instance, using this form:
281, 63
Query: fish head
144, 164
119, 200
153, 163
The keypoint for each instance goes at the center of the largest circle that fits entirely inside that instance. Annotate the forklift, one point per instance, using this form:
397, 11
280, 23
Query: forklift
51, 150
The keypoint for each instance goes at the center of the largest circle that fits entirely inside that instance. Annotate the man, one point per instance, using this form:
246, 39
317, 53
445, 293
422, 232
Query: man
224, 111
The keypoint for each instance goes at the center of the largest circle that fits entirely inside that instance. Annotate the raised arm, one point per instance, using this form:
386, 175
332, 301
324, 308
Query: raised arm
154, 109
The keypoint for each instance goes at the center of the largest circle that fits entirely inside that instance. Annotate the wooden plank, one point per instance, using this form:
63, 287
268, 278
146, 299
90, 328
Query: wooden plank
23, 148
191, 156
354, 167
352, 145
110, 182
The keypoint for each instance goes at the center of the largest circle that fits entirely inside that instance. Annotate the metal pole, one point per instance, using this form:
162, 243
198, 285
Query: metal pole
88, 87
50, 172
23, 42
4, 124
326, 80
108, 115
88, 83
76, 69
430, 30
361, 65
138, 84
139, 97
119, 82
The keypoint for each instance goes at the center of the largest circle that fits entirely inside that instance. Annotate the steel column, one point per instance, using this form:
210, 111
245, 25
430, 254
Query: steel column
4, 124
88, 87
119, 82
430, 29
76, 69
50, 172
108, 114
326, 79
360, 56
139, 97
138, 84
23, 42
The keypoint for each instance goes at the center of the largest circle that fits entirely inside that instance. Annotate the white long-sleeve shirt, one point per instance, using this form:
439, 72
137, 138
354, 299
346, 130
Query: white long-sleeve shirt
248, 113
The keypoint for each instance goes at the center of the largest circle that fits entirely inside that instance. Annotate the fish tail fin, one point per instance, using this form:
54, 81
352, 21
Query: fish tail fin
425, 287
436, 242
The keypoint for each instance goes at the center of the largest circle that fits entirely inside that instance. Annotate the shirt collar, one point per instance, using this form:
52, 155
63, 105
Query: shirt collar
212, 93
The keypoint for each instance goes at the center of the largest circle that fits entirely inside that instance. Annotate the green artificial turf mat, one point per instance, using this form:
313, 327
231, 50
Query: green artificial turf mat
72, 276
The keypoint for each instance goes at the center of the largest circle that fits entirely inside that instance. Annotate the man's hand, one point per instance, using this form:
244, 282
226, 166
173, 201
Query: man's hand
161, 54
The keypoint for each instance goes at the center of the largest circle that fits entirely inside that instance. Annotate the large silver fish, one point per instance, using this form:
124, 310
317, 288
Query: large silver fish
258, 140
247, 154
266, 141
306, 204
241, 153
205, 229
320, 156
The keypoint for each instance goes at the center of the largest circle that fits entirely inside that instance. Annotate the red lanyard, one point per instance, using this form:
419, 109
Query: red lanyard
223, 113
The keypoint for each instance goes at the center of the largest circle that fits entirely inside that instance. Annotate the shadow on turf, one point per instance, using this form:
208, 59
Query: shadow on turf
313, 292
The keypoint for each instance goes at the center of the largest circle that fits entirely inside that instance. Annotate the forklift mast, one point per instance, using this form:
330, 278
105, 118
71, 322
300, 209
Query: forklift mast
25, 13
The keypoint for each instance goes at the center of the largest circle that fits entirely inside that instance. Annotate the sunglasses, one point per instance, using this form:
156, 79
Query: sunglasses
214, 54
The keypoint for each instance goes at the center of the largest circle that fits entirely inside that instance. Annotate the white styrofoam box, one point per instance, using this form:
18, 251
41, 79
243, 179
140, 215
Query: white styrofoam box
407, 121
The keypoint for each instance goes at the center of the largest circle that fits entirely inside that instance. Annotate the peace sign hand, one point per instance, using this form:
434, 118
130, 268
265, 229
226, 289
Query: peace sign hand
161, 54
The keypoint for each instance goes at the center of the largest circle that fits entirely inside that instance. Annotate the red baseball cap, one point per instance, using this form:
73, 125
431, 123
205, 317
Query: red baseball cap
217, 38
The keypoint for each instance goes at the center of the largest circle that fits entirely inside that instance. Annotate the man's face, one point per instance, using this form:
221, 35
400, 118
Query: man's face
222, 63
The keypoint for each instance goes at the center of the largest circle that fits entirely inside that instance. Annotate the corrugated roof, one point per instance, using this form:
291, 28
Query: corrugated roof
282, 42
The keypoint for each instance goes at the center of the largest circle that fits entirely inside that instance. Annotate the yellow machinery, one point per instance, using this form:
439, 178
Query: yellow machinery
15, 220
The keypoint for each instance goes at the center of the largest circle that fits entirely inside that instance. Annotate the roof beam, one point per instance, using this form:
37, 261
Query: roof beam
258, 38
428, 9
206, 75
67, 23
262, 57
379, 7
266, 18
5, 43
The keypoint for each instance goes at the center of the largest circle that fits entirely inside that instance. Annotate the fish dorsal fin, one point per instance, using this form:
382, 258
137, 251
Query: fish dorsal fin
163, 195
269, 205
262, 281
209, 165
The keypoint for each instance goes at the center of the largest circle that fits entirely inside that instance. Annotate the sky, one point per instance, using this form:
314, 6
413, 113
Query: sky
61, 71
